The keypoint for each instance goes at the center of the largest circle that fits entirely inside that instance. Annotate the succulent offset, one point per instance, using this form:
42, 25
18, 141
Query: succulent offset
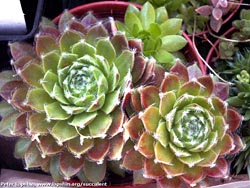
65, 96
182, 130
161, 35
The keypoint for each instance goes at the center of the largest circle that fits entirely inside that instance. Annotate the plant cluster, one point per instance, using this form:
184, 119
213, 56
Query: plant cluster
94, 95
182, 130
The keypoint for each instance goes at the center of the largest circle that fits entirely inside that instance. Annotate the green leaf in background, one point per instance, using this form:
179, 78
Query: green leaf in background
173, 43
147, 15
171, 27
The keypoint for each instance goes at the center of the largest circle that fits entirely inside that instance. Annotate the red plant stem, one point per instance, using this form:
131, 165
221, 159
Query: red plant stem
215, 47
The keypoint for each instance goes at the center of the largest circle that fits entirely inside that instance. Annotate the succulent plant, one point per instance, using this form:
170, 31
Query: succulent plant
242, 25
215, 11
63, 100
157, 32
182, 130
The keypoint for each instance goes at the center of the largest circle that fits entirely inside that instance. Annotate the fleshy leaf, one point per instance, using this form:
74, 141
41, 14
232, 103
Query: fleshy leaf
163, 154
171, 26
49, 146
55, 169
77, 148
49, 81
96, 32
116, 147
149, 96
117, 122
8, 88
138, 69
94, 172
33, 157
233, 119
100, 125
133, 160
120, 43
205, 10
173, 43
146, 145
153, 170
64, 20
19, 49
133, 22
19, 97
162, 134
124, 62
37, 98
20, 125
207, 86
68, 39
6, 76
5, 108
221, 90
38, 123
180, 71
32, 74
150, 118
176, 168
50, 61
6, 124
21, 147
45, 44
54, 111
147, 15
193, 175
83, 119
136, 100
105, 48
134, 127
220, 170
70, 165
111, 101
62, 131
100, 150
167, 101
190, 88
209, 158
191, 160
226, 145
170, 83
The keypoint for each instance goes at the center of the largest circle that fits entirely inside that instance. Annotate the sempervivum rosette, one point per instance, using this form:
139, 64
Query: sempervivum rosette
182, 130
65, 97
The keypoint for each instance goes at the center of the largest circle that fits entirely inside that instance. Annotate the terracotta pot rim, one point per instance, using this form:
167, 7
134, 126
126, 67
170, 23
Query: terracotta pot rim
107, 7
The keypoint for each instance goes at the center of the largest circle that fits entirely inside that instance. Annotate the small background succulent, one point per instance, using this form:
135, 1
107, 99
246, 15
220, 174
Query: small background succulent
216, 10
239, 35
161, 35
62, 98
182, 130
185, 10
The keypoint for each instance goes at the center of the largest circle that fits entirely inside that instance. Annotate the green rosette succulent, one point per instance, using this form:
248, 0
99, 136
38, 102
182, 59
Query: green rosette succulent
161, 35
63, 100
182, 130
